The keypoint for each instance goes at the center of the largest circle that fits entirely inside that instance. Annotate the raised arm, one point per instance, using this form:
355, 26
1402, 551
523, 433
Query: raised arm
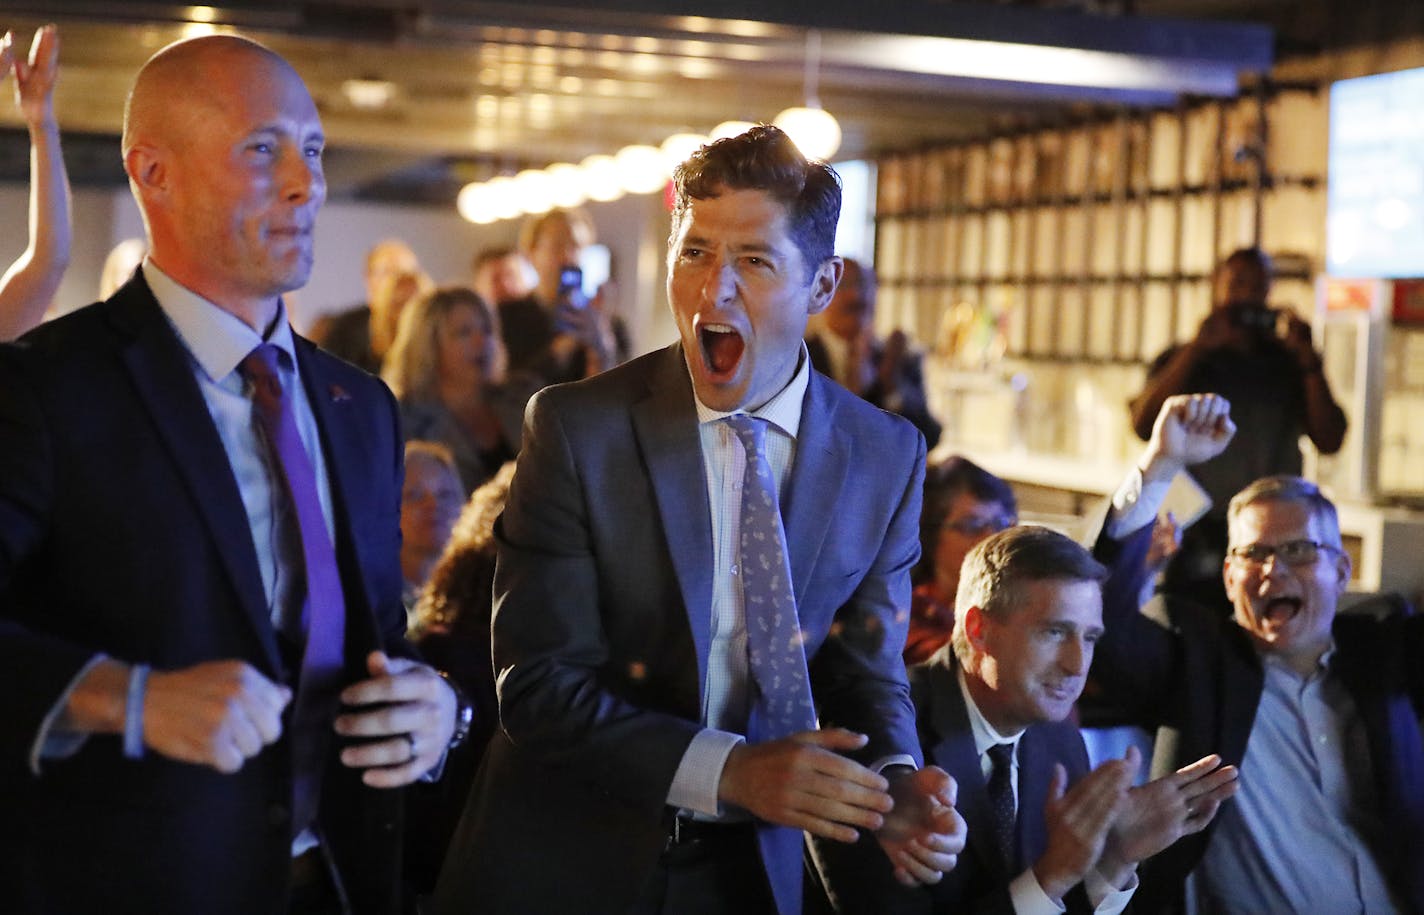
28, 287
1135, 657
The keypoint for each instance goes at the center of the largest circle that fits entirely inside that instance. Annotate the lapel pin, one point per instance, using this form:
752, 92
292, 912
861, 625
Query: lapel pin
338, 394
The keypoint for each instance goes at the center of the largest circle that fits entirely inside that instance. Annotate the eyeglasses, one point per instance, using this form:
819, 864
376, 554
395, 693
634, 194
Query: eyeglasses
1292, 552
973, 527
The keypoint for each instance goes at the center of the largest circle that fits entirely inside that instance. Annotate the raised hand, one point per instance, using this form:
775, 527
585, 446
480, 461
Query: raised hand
36, 76
1296, 339
1190, 429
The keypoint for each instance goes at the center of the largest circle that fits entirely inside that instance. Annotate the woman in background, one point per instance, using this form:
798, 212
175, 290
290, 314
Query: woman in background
964, 504
446, 368
431, 498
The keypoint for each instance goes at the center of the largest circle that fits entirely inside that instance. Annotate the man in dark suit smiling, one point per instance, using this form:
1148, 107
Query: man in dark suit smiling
992, 708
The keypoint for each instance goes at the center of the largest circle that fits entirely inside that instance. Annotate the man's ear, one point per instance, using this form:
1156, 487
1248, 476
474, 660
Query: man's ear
824, 283
974, 625
146, 169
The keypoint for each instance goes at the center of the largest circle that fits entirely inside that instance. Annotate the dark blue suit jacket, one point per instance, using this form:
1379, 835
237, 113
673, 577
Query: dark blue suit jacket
602, 625
1200, 685
122, 531
979, 883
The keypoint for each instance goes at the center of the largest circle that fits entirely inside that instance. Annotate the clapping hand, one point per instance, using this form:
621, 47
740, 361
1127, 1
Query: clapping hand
1164, 810
923, 834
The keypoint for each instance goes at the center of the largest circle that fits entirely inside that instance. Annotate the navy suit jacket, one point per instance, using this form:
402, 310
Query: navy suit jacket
122, 531
914, 405
1200, 684
602, 625
979, 882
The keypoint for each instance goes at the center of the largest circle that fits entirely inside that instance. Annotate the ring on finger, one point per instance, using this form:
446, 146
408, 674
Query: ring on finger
410, 739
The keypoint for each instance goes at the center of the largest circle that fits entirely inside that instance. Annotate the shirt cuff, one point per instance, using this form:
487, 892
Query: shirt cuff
51, 742
1028, 898
1106, 898
437, 771
902, 759
694, 785
1135, 504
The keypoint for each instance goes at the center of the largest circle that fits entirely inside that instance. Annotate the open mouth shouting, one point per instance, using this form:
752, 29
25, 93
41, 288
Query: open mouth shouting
1275, 612
722, 347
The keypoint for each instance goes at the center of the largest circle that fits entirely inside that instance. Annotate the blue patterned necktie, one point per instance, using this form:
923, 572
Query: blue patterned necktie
782, 699
322, 614
781, 690
1001, 800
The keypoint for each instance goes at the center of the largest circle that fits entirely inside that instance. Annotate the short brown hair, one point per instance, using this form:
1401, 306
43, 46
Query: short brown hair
994, 570
765, 159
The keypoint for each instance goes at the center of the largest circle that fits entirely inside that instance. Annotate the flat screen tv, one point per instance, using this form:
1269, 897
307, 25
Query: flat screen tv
1375, 200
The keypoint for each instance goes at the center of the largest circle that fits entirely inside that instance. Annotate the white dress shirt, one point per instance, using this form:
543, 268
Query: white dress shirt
1025, 893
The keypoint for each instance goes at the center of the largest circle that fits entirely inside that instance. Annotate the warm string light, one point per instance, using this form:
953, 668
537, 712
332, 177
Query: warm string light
640, 169
812, 128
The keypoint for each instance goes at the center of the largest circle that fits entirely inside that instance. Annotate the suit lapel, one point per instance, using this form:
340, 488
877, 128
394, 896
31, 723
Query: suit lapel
1242, 680
955, 753
665, 423
1036, 761
163, 376
331, 406
819, 472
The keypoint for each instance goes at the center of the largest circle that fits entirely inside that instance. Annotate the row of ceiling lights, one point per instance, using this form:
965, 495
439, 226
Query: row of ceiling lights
634, 169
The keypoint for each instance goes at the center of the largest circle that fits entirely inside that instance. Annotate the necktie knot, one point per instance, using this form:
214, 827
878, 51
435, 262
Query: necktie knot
1002, 757
751, 430
259, 367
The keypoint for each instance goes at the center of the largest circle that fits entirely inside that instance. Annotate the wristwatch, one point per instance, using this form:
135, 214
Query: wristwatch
464, 712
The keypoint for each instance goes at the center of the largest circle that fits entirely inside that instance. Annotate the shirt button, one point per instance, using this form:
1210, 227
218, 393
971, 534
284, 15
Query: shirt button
734, 570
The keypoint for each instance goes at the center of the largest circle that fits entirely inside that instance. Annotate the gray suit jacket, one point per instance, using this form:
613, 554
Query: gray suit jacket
602, 624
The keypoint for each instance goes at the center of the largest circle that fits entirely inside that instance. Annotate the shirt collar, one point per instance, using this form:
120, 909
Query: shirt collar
1276, 661
217, 338
783, 411
985, 735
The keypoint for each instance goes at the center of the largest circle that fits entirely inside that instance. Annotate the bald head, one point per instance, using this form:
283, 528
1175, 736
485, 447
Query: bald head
222, 145
185, 77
